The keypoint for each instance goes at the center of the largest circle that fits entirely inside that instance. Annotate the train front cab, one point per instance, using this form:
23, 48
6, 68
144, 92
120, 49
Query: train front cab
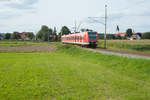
93, 39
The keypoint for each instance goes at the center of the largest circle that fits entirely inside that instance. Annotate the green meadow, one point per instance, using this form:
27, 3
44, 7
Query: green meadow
71, 73
137, 46
9, 43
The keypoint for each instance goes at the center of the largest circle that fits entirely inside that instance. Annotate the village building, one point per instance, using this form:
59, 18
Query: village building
135, 36
2, 37
54, 34
25, 35
122, 35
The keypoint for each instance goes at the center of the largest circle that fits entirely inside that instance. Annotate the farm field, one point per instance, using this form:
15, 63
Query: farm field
70, 73
20, 46
21, 43
138, 46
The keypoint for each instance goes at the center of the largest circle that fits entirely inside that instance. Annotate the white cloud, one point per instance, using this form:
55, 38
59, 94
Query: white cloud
16, 1
31, 14
19, 4
16, 8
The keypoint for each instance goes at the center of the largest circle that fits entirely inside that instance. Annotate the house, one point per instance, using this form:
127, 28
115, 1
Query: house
25, 35
2, 37
136, 36
120, 35
54, 34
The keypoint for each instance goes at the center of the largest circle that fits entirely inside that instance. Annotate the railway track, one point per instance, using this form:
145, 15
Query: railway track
120, 53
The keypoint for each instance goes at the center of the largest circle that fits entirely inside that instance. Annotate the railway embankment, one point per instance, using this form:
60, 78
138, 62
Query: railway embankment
123, 54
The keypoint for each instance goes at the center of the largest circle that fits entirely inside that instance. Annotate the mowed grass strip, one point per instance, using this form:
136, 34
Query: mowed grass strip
21, 43
73, 74
139, 46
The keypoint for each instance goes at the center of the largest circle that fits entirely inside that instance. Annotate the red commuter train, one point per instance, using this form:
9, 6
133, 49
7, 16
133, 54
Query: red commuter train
89, 39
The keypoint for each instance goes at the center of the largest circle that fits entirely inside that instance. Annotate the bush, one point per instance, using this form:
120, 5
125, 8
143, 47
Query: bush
109, 36
129, 32
15, 35
146, 35
7, 36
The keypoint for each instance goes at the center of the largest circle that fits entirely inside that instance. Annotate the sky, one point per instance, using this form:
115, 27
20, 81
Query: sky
30, 15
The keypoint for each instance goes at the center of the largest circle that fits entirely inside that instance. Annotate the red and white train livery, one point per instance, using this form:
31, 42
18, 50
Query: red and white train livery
84, 38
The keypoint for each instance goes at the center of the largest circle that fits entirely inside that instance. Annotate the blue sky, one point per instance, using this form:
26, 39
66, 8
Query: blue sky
29, 15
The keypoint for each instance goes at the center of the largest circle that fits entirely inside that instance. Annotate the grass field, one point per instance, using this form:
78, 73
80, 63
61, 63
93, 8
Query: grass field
139, 46
73, 74
20, 43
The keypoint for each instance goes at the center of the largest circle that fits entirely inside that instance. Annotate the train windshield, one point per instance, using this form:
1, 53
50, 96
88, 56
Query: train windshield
92, 36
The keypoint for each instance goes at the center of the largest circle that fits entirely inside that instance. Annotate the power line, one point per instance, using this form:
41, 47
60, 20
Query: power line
105, 24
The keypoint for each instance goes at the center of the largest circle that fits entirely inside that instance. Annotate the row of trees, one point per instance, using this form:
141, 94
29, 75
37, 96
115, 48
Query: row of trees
17, 35
145, 35
129, 33
46, 33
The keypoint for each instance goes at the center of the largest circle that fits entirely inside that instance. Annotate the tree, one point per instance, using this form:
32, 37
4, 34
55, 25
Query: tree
15, 35
59, 37
31, 35
55, 31
50, 34
65, 30
82, 30
7, 36
129, 32
109, 36
85, 30
118, 37
44, 33
146, 35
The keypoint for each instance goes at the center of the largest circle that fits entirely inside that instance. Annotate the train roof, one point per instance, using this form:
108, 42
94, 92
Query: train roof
75, 34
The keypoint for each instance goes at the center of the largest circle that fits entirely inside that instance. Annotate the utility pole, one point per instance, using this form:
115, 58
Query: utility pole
105, 37
23, 34
75, 27
105, 24
48, 36
79, 27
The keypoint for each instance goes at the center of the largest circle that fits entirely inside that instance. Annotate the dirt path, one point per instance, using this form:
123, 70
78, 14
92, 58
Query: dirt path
28, 49
124, 54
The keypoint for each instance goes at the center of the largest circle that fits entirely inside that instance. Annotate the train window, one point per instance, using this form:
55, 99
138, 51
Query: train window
92, 36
